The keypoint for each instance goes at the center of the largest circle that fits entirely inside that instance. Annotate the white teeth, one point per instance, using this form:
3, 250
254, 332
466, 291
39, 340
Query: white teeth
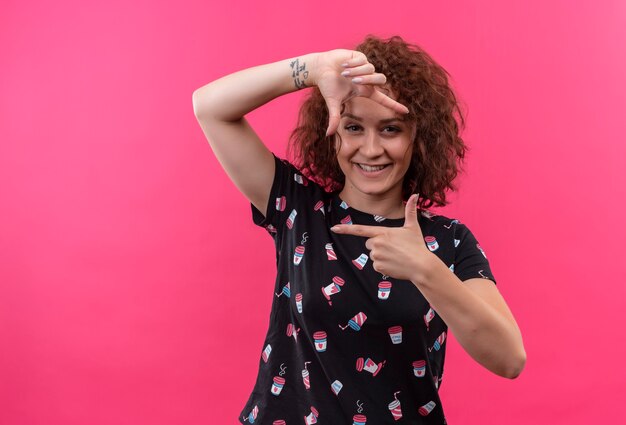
368, 168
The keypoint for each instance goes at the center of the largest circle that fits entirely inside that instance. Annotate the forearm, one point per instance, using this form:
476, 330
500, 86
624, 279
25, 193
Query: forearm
233, 96
487, 336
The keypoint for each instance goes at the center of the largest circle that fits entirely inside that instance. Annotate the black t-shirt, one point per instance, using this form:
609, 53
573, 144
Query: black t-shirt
346, 344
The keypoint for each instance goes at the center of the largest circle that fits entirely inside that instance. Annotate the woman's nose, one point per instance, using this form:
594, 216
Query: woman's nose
371, 145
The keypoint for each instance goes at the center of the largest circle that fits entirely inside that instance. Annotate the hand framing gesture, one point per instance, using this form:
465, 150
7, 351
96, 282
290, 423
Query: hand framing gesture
399, 252
342, 74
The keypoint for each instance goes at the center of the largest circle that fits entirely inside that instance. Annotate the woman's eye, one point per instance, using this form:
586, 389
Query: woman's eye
352, 128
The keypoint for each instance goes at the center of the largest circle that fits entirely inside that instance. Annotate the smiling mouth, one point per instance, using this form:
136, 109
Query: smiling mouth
370, 169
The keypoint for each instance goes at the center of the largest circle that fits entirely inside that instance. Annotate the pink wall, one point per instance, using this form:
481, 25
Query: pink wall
120, 272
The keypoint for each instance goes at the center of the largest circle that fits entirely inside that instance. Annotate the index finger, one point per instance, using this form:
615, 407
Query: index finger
385, 100
358, 230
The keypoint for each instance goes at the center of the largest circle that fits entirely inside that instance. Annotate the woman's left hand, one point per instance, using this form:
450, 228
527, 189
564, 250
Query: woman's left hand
399, 252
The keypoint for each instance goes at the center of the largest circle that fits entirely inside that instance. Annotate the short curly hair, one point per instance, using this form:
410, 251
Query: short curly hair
420, 84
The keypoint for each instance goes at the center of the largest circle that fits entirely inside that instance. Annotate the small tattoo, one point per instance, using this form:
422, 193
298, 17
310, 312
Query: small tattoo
299, 73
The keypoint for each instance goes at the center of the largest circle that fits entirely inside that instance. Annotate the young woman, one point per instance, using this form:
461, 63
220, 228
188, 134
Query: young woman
368, 280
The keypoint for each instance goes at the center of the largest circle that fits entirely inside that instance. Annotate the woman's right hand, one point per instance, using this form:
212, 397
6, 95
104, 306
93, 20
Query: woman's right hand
335, 74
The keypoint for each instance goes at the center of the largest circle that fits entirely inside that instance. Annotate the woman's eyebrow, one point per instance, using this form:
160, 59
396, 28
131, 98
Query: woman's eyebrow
384, 121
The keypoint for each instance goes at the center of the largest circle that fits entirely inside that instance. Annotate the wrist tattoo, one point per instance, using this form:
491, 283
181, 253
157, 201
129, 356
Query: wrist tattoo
299, 73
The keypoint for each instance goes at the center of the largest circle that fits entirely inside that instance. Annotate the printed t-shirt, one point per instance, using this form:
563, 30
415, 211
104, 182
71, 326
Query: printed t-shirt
346, 344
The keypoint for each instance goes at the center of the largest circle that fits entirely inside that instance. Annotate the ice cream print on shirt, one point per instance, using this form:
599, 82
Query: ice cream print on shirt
350, 324
286, 291
251, 417
356, 322
292, 218
447, 226
301, 180
360, 261
319, 206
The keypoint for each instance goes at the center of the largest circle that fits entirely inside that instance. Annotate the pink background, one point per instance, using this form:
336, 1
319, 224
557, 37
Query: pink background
127, 296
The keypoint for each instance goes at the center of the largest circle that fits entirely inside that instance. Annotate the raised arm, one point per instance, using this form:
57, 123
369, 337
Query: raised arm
220, 107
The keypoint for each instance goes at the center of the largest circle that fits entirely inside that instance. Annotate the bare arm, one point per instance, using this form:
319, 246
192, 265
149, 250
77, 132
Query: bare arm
474, 310
479, 318
220, 107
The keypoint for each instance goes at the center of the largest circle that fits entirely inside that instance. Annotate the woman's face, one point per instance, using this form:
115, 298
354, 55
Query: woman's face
375, 149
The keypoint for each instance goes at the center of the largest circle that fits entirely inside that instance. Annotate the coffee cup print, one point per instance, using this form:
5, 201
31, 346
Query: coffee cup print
333, 288
305, 379
395, 408
252, 415
298, 178
430, 315
343, 205
279, 422
419, 368
359, 420
395, 333
356, 322
330, 252
305, 376
312, 417
298, 254
266, 353
346, 220
431, 243
319, 206
292, 218
299, 302
369, 365
379, 218
291, 330
384, 290
336, 386
277, 385
427, 214
427, 408
286, 291
360, 261
320, 341
281, 203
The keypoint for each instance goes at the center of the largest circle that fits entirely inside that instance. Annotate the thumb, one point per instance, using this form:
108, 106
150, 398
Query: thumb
334, 116
410, 211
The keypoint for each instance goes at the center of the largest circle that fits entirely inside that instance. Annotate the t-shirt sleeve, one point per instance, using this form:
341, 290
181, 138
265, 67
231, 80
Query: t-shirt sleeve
470, 258
288, 187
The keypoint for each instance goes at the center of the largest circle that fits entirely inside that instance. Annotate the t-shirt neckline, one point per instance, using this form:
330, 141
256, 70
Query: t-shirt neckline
362, 217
